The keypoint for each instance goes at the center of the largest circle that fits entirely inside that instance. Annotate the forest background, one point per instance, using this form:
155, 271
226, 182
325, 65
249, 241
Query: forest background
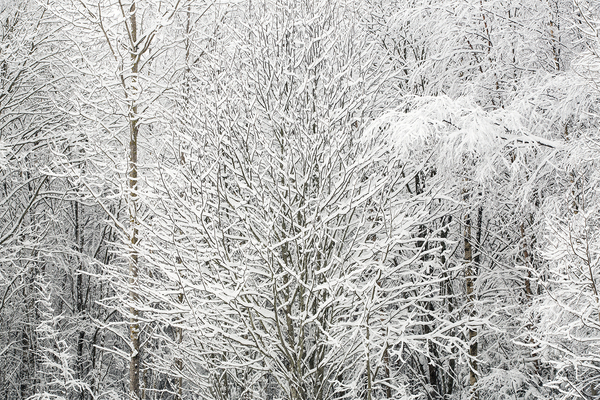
279, 199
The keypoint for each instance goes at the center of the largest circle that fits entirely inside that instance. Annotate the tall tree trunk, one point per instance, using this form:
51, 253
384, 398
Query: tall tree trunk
470, 283
447, 290
134, 325
80, 298
388, 374
423, 246
178, 360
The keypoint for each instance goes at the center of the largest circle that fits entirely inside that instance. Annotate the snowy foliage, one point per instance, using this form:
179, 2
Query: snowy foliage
300, 200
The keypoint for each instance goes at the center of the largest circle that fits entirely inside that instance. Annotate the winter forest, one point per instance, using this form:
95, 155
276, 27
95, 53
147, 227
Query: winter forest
299, 199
